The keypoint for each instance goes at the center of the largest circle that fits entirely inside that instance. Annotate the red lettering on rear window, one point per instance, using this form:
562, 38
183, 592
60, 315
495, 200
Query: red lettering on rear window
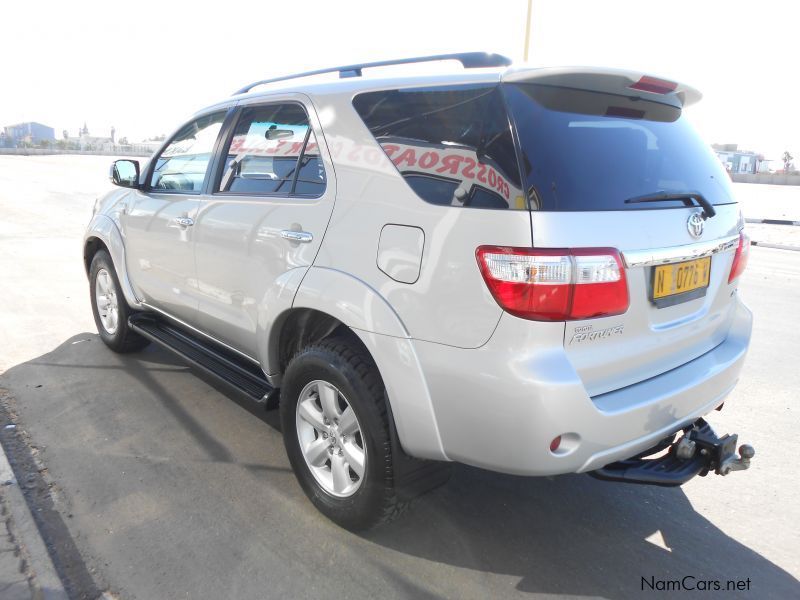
450, 165
408, 157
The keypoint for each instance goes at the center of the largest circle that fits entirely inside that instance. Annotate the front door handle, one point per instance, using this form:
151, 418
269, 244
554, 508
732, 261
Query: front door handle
304, 237
182, 222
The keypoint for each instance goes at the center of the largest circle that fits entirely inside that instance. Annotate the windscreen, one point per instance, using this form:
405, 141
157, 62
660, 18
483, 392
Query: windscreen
587, 151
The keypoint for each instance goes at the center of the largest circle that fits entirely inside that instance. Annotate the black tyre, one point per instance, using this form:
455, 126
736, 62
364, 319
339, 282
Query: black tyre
109, 307
336, 433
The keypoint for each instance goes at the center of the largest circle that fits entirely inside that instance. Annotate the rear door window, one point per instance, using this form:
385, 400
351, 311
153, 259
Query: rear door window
585, 150
453, 145
273, 151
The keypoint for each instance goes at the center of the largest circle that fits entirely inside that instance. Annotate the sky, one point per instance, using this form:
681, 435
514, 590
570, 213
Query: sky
145, 66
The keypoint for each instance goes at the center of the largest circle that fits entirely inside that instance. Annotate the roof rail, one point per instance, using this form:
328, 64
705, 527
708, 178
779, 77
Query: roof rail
469, 60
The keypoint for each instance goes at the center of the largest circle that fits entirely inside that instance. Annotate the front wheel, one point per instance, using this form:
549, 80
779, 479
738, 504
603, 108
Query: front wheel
109, 307
336, 433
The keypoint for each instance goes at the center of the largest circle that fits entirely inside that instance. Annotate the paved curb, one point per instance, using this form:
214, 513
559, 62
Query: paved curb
775, 246
773, 221
45, 575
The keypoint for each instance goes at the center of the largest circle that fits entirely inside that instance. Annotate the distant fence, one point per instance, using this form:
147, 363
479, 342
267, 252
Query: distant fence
771, 178
41, 151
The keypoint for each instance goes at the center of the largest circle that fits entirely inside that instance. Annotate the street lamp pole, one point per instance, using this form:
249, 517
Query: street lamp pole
527, 32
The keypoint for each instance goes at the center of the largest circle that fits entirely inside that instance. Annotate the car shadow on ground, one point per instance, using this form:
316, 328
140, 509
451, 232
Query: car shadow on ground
576, 535
559, 535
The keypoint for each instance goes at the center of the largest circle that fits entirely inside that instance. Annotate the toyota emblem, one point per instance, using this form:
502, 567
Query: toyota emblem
695, 225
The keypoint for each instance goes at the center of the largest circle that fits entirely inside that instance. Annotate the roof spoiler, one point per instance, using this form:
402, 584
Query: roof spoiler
612, 81
469, 60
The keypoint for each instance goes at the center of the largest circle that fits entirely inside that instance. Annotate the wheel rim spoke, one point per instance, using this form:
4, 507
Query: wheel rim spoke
317, 452
311, 414
329, 399
347, 422
341, 475
354, 457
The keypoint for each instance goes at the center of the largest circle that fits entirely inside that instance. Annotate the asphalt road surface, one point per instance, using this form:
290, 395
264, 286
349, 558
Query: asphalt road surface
156, 484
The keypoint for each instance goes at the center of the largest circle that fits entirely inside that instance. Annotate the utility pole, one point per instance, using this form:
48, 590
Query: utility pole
527, 32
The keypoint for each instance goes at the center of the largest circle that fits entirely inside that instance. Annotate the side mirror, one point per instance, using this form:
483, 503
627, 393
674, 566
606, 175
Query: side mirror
125, 173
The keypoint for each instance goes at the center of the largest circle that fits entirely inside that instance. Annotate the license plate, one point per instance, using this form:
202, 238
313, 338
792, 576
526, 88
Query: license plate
680, 278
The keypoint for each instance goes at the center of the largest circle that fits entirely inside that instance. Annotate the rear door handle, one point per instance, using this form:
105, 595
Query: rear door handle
304, 237
182, 222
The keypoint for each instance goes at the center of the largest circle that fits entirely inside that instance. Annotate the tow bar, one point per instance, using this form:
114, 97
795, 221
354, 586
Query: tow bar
697, 452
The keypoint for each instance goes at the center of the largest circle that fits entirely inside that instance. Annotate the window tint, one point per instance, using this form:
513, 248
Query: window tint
437, 190
183, 163
273, 151
453, 145
584, 150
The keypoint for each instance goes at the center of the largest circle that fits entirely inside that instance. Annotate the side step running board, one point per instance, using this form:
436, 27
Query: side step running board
223, 364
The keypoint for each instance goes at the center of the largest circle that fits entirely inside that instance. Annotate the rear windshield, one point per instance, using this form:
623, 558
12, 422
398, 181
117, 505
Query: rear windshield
584, 151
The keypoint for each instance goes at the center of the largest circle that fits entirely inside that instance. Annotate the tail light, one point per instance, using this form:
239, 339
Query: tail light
741, 256
654, 85
547, 284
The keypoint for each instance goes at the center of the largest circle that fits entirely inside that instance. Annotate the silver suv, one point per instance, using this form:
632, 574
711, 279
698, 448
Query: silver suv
532, 271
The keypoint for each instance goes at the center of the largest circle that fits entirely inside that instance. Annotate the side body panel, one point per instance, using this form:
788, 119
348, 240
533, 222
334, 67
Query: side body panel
449, 302
242, 257
160, 251
158, 224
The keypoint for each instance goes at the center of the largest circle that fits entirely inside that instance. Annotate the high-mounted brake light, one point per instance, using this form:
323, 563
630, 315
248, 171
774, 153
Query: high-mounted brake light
741, 256
555, 284
654, 85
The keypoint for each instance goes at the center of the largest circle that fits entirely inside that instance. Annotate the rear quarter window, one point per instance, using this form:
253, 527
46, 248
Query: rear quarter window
453, 145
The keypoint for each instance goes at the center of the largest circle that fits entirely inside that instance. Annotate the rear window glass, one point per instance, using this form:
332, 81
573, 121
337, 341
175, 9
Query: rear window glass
273, 151
453, 145
584, 150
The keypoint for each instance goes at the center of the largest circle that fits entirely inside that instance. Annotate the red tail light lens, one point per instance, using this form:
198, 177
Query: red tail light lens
555, 284
741, 256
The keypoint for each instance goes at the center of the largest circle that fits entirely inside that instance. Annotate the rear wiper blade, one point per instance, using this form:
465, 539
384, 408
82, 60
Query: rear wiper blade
708, 209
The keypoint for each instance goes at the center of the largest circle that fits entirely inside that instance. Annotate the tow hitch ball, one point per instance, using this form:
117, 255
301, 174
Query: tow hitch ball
720, 452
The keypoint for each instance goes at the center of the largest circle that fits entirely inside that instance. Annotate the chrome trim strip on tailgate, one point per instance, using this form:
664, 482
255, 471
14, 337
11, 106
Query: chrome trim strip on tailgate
671, 254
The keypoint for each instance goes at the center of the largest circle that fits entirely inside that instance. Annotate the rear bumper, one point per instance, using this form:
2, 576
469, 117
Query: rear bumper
499, 406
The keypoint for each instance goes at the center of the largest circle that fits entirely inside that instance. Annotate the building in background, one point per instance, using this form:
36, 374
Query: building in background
31, 133
86, 141
740, 161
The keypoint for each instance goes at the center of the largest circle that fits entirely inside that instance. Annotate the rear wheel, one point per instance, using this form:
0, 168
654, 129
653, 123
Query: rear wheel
109, 307
336, 433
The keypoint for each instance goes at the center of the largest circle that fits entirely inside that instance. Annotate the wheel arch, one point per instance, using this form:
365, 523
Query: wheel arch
103, 234
91, 246
331, 302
